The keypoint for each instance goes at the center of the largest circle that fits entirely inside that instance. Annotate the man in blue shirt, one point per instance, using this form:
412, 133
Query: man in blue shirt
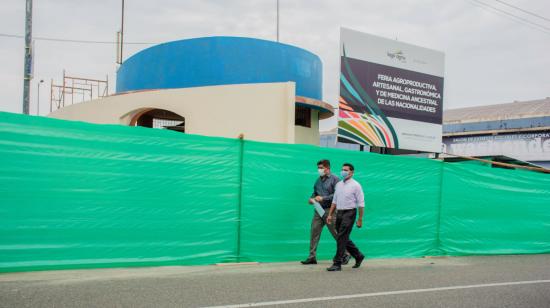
323, 191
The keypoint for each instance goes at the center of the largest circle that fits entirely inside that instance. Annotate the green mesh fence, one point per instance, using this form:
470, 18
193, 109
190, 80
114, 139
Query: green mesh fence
494, 211
401, 197
78, 195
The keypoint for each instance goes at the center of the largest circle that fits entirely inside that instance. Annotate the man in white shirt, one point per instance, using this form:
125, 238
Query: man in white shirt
348, 198
323, 190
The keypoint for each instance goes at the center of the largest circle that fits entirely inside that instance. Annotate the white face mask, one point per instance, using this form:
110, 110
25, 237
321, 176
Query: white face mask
321, 172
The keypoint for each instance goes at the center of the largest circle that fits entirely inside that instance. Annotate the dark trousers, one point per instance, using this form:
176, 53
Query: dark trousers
345, 219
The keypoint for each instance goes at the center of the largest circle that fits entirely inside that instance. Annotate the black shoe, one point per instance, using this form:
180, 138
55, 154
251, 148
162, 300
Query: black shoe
346, 259
358, 261
309, 261
334, 268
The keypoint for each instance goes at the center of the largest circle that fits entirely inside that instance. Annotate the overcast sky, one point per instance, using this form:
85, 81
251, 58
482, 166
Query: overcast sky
489, 57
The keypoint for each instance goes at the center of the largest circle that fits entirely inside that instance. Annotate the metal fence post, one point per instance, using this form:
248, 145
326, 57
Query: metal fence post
240, 201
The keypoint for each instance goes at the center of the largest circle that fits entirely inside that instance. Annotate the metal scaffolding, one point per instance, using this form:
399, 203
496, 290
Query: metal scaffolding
76, 90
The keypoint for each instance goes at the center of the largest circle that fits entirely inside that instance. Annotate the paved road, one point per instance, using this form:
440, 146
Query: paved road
503, 281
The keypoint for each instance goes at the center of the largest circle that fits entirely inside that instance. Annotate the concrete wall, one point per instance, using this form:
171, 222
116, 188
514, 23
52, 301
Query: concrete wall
262, 112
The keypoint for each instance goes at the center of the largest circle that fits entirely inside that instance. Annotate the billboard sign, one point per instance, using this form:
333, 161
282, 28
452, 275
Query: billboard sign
391, 93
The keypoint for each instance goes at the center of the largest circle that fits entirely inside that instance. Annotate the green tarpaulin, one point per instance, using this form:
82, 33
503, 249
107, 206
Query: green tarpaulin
79, 195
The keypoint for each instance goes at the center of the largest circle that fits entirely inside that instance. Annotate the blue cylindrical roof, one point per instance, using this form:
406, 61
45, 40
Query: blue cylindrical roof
222, 60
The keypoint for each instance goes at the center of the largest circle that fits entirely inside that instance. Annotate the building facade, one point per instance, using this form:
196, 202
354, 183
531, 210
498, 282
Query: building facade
519, 130
216, 86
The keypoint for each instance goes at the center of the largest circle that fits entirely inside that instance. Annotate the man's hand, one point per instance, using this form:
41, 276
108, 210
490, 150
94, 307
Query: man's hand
359, 223
329, 219
318, 198
311, 201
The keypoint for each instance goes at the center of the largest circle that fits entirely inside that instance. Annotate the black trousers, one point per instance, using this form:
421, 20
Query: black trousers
345, 219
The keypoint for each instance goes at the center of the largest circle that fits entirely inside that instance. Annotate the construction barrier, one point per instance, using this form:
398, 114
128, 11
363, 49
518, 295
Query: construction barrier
80, 195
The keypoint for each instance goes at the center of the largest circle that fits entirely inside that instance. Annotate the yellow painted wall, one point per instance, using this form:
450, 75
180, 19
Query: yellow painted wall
262, 112
308, 135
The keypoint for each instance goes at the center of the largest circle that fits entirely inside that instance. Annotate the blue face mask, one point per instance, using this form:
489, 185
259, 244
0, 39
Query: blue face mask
344, 174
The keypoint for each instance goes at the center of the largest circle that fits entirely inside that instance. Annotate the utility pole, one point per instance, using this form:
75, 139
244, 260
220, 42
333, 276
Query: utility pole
277, 20
28, 57
122, 33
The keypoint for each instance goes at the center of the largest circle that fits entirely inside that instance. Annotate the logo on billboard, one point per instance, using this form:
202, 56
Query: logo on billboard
397, 55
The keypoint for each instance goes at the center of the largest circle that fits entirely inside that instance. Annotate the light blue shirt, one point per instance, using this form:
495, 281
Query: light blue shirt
348, 195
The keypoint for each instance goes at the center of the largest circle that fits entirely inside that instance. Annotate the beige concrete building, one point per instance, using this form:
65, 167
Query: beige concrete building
269, 112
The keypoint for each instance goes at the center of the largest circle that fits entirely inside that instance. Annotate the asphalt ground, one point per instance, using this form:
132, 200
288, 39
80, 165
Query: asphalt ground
483, 281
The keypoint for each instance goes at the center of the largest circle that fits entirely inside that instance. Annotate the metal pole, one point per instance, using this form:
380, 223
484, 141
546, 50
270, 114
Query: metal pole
38, 98
51, 95
117, 57
63, 92
240, 200
122, 33
437, 246
28, 57
277, 20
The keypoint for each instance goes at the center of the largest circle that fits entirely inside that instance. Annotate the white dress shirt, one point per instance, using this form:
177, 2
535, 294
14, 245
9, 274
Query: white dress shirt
348, 195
